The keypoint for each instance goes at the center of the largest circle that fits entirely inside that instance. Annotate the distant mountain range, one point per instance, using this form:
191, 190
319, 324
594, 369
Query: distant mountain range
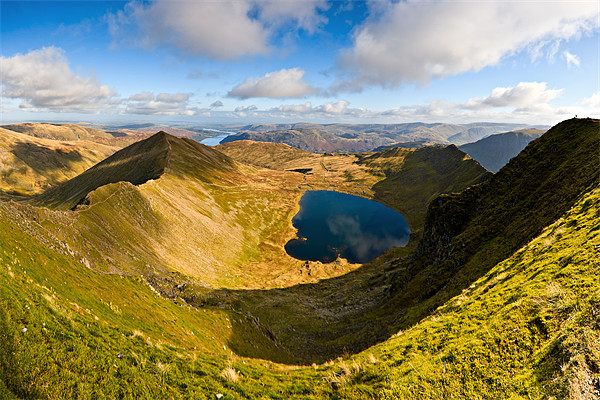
322, 138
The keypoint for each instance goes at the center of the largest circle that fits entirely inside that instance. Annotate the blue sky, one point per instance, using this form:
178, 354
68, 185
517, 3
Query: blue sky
243, 61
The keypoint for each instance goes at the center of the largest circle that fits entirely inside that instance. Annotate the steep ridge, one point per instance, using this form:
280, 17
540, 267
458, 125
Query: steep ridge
493, 152
138, 163
466, 234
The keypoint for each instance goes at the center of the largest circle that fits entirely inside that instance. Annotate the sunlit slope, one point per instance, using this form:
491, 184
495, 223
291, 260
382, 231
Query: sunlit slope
172, 204
527, 329
69, 332
58, 131
29, 165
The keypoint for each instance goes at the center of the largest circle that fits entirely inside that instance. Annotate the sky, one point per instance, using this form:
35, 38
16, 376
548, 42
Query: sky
282, 61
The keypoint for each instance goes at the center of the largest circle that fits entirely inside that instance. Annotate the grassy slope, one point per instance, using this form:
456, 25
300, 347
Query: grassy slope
527, 329
29, 165
466, 234
406, 180
415, 177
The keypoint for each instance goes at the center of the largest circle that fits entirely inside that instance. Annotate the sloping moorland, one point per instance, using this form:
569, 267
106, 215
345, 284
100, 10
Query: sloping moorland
498, 300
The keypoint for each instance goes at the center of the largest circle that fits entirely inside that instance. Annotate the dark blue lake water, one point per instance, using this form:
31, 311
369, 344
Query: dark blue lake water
332, 224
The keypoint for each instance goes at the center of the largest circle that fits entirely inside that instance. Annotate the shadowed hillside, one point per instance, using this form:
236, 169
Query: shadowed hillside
467, 233
29, 165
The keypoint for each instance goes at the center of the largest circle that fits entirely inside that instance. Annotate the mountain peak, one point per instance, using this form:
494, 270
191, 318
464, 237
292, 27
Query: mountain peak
138, 163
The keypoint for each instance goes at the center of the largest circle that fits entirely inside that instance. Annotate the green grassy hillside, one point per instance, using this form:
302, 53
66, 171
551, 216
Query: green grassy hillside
525, 330
499, 300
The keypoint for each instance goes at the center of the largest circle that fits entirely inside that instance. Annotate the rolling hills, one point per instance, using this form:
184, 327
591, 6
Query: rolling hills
319, 138
30, 165
499, 298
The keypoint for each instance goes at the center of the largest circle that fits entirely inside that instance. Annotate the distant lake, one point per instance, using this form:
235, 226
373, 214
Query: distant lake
215, 140
331, 224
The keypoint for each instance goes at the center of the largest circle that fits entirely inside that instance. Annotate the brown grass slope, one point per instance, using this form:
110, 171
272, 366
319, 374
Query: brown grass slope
29, 165
136, 164
58, 131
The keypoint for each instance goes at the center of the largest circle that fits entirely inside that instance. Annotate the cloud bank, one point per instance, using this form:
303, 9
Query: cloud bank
146, 103
286, 83
524, 94
222, 30
43, 80
418, 41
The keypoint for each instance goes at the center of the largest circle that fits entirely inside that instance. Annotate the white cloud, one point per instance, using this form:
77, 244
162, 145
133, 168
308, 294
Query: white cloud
245, 109
592, 102
304, 13
572, 59
217, 104
43, 80
524, 94
338, 108
417, 41
223, 30
146, 103
527, 102
286, 83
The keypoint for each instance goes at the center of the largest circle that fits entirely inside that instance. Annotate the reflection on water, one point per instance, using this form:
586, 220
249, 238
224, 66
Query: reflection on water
331, 224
